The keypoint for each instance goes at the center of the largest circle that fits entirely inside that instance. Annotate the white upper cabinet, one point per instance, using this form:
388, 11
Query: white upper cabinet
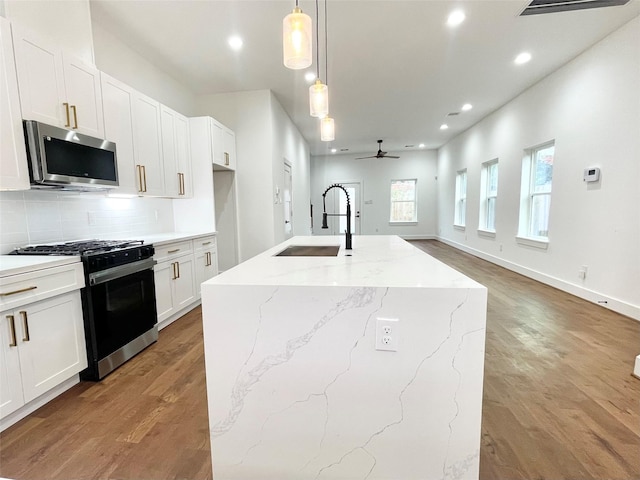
57, 89
224, 146
148, 145
14, 174
229, 148
118, 128
176, 154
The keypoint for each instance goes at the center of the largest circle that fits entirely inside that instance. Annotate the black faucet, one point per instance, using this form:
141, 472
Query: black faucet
348, 214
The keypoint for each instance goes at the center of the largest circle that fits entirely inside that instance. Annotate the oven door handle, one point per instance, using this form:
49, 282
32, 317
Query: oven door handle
120, 271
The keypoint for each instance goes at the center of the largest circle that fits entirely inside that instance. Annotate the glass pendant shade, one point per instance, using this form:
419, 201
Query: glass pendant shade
296, 40
327, 129
319, 99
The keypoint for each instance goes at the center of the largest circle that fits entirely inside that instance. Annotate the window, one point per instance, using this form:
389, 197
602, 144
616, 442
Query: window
537, 173
461, 198
403, 201
489, 195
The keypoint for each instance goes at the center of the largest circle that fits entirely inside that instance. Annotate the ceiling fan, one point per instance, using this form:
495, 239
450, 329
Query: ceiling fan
380, 153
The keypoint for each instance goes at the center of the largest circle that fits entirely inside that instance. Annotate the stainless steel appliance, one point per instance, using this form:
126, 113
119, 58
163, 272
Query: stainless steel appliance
68, 160
118, 301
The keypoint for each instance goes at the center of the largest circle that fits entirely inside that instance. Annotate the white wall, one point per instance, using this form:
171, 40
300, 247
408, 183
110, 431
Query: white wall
375, 177
39, 216
67, 23
122, 62
264, 137
591, 108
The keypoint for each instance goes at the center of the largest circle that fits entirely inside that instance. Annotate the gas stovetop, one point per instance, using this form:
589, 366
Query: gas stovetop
83, 247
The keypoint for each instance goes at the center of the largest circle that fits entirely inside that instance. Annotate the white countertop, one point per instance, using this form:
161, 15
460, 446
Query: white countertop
375, 261
169, 237
16, 264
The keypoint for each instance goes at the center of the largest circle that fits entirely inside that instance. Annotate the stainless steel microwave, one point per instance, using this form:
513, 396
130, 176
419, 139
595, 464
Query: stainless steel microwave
68, 160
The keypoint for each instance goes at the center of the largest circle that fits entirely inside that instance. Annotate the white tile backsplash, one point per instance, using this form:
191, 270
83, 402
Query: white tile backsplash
39, 216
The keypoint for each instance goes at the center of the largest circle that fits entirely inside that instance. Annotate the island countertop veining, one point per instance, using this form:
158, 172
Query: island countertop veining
374, 261
368, 364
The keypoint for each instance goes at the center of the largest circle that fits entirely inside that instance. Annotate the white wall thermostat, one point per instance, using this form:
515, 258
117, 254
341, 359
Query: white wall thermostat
591, 174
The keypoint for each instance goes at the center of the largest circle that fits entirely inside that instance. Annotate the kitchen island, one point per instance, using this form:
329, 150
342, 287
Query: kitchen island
366, 364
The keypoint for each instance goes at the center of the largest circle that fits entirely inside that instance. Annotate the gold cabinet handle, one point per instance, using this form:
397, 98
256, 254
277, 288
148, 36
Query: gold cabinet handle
22, 290
12, 330
178, 265
75, 116
206, 243
174, 251
183, 189
175, 275
66, 107
144, 176
139, 170
226, 158
25, 326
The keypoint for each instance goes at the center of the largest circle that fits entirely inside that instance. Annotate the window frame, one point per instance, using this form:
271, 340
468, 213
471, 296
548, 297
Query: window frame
528, 196
486, 194
414, 221
460, 205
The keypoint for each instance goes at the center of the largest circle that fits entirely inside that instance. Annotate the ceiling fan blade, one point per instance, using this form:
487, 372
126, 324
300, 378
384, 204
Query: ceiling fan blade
390, 156
362, 158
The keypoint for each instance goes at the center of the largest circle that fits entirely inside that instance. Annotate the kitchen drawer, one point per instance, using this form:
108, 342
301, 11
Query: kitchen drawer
204, 243
172, 250
18, 290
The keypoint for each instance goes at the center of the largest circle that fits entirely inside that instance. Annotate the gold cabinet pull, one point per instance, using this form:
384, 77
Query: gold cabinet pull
175, 275
174, 251
206, 243
66, 107
139, 170
226, 158
178, 265
183, 189
12, 330
75, 116
22, 290
25, 326
144, 176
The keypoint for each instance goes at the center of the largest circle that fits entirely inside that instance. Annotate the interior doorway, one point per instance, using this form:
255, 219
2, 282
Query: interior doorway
287, 200
339, 224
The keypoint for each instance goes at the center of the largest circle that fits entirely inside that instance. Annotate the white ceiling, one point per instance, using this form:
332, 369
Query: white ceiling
395, 69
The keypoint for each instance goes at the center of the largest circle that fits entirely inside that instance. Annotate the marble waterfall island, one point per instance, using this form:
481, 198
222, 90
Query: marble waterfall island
298, 387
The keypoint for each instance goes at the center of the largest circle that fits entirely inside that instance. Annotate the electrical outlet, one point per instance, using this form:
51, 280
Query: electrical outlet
387, 334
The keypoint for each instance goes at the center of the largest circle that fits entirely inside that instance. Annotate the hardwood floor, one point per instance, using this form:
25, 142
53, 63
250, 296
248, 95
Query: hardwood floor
559, 398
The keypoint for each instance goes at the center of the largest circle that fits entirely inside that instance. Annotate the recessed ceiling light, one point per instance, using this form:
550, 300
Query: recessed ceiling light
456, 18
524, 57
466, 107
444, 126
334, 150
421, 145
310, 77
235, 42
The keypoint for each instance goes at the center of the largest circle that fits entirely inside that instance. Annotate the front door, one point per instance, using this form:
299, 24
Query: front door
287, 202
339, 199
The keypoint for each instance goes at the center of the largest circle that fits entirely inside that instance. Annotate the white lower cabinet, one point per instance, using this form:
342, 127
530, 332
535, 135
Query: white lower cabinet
206, 260
42, 346
174, 278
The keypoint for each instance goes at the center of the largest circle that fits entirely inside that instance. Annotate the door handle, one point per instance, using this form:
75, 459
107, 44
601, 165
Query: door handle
25, 325
358, 214
12, 330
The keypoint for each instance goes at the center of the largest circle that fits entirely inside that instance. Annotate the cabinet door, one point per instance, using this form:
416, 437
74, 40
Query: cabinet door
184, 285
163, 277
84, 96
11, 397
183, 154
217, 141
173, 182
14, 174
118, 128
148, 145
40, 79
229, 148
206, 267
51, 343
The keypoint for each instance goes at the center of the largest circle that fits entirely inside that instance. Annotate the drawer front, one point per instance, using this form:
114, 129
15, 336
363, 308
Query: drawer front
172, 250
19, 290
204, 243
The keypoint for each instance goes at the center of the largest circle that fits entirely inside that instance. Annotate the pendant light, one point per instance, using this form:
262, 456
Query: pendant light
318, 92
296, 39
327, 124
327, 129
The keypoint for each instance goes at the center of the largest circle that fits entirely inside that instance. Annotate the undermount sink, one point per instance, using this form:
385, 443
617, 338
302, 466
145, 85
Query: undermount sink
309, 251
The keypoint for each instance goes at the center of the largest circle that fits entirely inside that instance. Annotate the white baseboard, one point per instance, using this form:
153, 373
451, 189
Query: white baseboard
418, 237
35, 404
616, 305
168, 321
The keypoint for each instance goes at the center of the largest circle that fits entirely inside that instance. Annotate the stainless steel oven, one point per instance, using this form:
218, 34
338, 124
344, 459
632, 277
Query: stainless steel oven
118, 301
